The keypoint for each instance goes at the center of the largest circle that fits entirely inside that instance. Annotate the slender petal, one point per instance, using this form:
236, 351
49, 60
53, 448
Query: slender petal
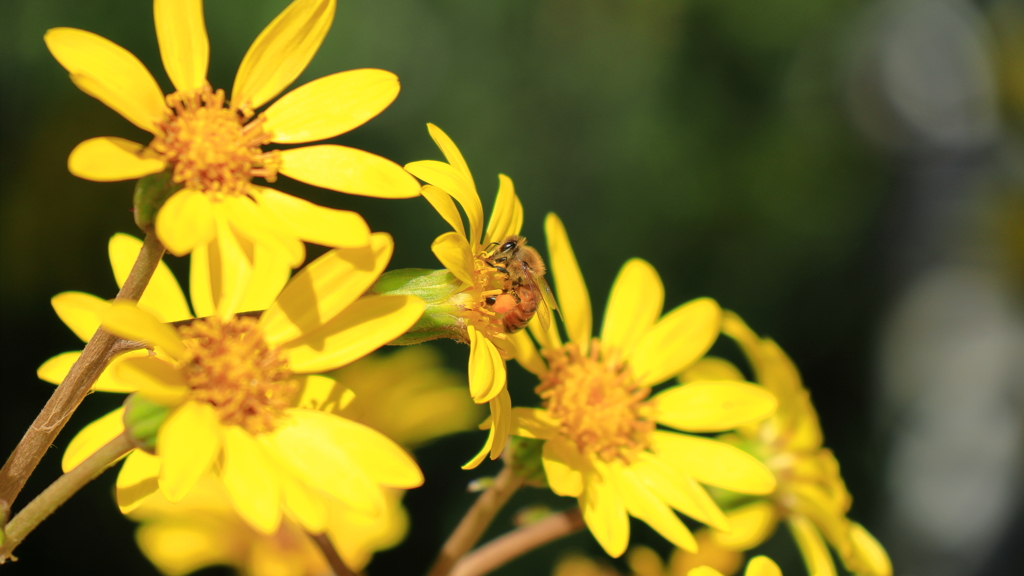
572, 291
444, 205
680, 492
185, 221
533, 423
178, 548
455, 254
324, 288
184, 47
258, 225
486, 368
501, 414
715, 463
713, 369
230, 266
110, 74
458, 185
110, 159
507, 214
366, 325
605, 514
56, 369
451, 153
80, 311
644, 504
634, 305
316, 224
331, 105
281, 52
676, 341
872, 557
126, 320
251, 480
93, 437
348, 170
750, 525
762, 566
812, 546
188, 443
163, 297
270, 273
153, 378
309, 506
527, 354
564, 467
713, 406
138, 478
200, 285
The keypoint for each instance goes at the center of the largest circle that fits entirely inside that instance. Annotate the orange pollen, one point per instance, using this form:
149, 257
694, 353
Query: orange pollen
476, 311
214, 148
229, 365
600, 407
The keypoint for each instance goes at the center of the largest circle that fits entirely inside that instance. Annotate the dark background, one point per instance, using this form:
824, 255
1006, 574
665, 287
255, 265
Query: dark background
754, 152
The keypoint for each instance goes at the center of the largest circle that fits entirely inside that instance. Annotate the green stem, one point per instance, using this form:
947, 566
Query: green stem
514, 544
57, 493
477, 519
65, 399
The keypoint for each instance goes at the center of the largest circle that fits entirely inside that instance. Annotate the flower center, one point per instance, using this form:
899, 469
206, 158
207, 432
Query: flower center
476, 302
230, 365
600, 407
213, 148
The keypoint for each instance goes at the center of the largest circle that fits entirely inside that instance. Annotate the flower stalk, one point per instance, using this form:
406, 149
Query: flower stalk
98, 352
514, 544
335, 561
57, 493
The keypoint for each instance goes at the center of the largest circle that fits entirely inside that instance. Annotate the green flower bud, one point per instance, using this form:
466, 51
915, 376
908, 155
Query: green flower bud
150, 194
439, 289
142, 419
524, 456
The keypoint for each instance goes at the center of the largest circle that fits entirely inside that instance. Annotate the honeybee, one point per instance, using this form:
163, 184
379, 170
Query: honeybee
524, 281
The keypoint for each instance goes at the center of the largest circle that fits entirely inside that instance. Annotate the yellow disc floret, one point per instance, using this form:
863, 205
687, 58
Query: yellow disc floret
475, 301
214, 148
600, 406
230, 365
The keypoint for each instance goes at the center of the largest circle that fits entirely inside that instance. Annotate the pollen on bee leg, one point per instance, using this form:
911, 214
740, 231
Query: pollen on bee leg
503, 303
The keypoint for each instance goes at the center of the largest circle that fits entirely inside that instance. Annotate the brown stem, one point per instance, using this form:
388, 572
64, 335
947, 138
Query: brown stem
338, 565
65, 399
57, 493
475, 522
503, 549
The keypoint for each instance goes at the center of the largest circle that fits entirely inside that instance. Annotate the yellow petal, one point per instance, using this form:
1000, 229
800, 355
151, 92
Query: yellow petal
703, 571
110, 74
644, 504
507, 214
750, 525
680, 492
324, 288
331, 105
482, 454
55, 369
281, 52
762, 566
812, 547
253, 224
109, 159
348, 170
712, 368
80, 311
200, 282
251, 480
270, 272
676, 341
486, 368
366, 325
230, 267
137, 480
634, 305
126, 320
456, 183
185, 221
527, 354
572, 291
184, 47
316, 224
548, 338
713, 406
177, 548
444, 205
451, 152
163, 296
533, 423
313, 451
564, 467
307, 505
605, 515
188, 443
93, 437
715, 463
153, 378
455, 254
871, 557
501, 415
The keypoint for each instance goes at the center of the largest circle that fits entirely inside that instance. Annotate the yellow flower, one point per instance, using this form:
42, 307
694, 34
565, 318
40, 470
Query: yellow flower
758, 566
643, 561
406, 395
213, 145
234, 384
461, 254
599, 423
811, 495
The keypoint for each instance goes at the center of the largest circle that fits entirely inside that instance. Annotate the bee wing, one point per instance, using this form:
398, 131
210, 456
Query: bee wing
548, 301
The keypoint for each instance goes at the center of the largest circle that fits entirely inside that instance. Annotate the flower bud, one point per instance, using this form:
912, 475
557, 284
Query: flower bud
142, 419
150, 194
440, 289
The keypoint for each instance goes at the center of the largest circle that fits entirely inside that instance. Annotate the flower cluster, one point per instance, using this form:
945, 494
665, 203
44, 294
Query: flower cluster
264, 430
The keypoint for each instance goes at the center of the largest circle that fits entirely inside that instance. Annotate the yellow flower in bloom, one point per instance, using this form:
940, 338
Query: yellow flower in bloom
811, 495
407, 395
214, 145
598, 419
234, 384
462, 254
643, 561
758, 566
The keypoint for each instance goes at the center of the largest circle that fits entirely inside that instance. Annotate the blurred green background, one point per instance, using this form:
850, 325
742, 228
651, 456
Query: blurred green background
718, 139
